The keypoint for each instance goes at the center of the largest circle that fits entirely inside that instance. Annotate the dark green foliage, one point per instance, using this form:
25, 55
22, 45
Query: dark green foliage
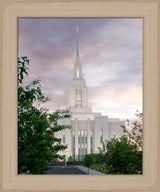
23, 66
124, 155
98, 158
36, 127
70, 158
88, 160
99, 167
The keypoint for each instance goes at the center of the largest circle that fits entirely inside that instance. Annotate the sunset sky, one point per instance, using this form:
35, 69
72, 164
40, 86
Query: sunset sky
111, 56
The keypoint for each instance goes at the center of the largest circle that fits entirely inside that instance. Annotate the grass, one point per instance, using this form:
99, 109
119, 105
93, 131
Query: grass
100, 168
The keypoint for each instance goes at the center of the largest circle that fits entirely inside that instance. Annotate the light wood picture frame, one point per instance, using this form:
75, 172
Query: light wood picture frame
10, 10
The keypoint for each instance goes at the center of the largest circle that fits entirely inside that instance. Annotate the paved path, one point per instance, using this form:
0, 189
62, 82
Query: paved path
91, 171
79, 170
65, 171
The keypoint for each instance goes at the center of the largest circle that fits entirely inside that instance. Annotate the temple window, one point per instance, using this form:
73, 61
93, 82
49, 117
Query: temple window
78, 99
77, 72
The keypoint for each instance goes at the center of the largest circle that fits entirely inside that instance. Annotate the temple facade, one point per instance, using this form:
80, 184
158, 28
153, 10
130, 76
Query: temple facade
89, 129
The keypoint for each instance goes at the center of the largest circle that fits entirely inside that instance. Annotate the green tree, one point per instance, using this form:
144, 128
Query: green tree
124, 155
98, 158
78, 158
133, 130
88, 161
70, 158
37, 145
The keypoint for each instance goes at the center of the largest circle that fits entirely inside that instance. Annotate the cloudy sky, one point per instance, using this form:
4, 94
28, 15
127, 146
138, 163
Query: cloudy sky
111, 56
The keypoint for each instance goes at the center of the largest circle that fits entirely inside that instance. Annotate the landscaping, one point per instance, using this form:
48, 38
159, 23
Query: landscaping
120, 156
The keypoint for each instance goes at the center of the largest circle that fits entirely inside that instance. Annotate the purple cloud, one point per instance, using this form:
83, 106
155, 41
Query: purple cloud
111, 56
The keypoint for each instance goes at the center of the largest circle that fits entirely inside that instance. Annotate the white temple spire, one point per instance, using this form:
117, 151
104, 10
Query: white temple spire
77, 41
77, 65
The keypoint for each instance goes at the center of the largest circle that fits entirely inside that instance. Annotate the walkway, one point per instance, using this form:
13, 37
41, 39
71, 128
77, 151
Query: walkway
62, 170
79, 170
91, 171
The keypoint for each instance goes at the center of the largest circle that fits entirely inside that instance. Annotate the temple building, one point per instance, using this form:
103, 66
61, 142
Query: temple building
89, 129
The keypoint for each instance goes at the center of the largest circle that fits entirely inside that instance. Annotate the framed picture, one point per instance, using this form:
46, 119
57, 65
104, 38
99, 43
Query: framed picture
12, 11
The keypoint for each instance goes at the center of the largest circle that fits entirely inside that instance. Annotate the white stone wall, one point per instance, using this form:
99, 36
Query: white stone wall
88, 135
110, 127
96, 134
76, 136
115, 128
84, 97
84, 116
71, 97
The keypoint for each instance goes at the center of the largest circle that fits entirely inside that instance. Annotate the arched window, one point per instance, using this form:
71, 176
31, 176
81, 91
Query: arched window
77, 72
78, 99
101, 135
